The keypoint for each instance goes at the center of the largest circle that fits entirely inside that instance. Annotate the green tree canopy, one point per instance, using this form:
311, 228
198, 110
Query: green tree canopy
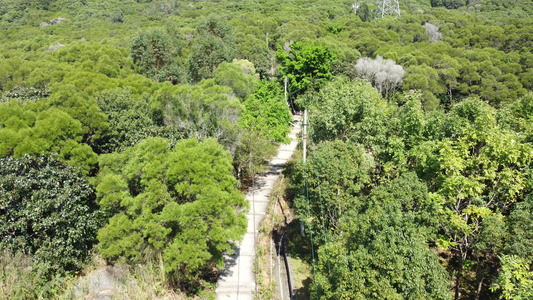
47, 209
239, 76
182, 203
157, 54
213, 45
306, 66
382, 252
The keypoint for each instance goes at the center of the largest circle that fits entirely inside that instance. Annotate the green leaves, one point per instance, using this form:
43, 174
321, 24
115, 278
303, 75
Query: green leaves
382, 252
350, 110
157, 54
266, 112
516, 279
213, 46
336, 172
182, 203
306, 66
34, 129
47, 209
239, 76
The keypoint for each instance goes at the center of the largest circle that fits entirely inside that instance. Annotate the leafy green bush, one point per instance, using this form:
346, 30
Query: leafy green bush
130, 121
306, 66
157, 54
267, 111
214, 45
181, 203
47, 209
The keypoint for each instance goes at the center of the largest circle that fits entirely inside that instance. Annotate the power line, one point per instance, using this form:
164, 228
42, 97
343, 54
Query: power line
307, 196
322, 211
310, 230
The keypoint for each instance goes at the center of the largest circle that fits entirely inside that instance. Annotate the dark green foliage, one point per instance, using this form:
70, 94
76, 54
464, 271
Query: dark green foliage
364, 13
181, 203
450, 4
24, 94
520, 222
47, 209
213, 45
117, 16
130, 121
157, 54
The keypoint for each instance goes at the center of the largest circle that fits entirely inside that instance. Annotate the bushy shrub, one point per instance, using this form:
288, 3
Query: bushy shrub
47, 210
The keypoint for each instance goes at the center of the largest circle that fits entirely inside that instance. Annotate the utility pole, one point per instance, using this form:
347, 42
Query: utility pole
305, 135
253, 201
302, 225
387, 8
286, 82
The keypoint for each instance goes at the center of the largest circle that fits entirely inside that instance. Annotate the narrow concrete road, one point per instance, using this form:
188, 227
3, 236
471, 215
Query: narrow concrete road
237, 281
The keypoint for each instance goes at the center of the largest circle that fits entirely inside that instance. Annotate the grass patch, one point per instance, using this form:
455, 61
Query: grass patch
303, 277
20, 279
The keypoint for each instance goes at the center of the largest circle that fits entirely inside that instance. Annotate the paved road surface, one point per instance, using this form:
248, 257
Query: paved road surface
237, 281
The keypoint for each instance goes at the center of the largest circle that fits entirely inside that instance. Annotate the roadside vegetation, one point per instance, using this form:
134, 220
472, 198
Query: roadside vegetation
130, 129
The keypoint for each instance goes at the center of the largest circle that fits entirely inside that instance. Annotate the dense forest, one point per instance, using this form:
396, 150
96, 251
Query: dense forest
130, 129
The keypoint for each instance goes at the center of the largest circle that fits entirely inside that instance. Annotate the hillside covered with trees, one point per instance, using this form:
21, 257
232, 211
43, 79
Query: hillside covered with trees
130, 129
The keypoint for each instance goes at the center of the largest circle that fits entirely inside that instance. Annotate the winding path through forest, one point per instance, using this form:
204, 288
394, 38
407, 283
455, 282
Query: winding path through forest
237, 281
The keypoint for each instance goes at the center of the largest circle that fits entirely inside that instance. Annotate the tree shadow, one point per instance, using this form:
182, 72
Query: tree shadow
303, 292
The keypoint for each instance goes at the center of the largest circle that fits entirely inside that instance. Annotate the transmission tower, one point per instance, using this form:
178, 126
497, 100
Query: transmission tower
355, 6
387, 8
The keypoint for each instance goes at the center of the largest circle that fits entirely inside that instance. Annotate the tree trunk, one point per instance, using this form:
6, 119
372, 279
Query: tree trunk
479, 288
457, 281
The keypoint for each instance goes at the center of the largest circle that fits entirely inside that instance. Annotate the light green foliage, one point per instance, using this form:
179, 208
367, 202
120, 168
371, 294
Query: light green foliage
255, 50
516, 279
337, 172
238, 76
95, 57
82, 107
26, 129
475, 160
181, 203
88, 97
479, 170
351, 111
265, 121
204, 110
307, 66
266, 112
